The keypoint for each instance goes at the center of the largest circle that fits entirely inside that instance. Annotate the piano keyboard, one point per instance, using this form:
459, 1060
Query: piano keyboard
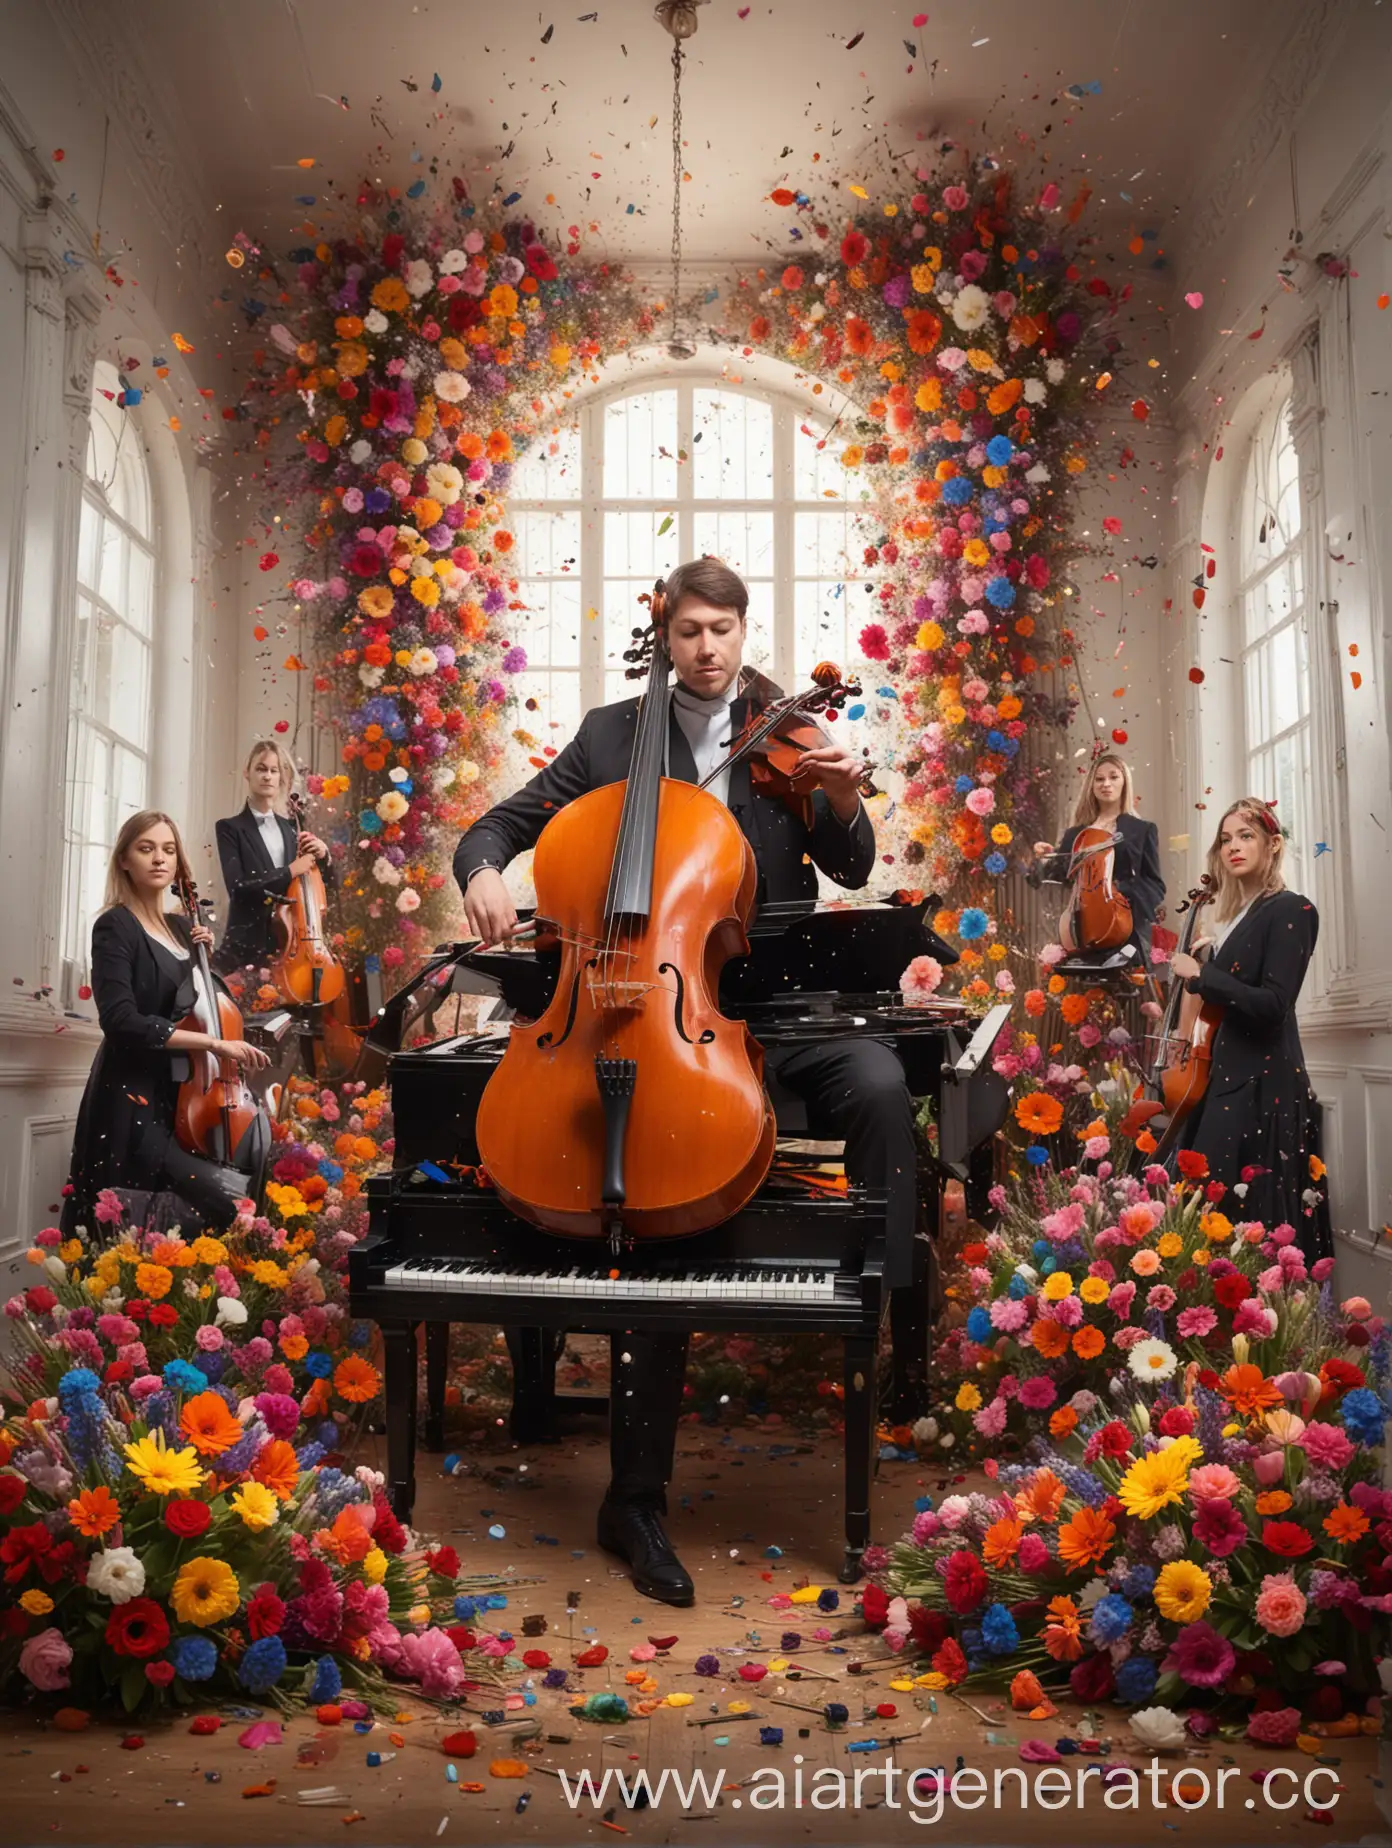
735, 1283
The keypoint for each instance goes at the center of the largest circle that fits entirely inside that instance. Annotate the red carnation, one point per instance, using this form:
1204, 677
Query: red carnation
1214, 1192
23, 1547
1192, 1166
364, 561
855, 247
187, 1519
1115, 1438
874, 1607
387, 1531
163, 1315
540, 262
1208, 1378
443, 1562
160, 1674
928, 1628
40, 1299
137, 1309
393, 249
137, 1628
13, 1489
265, 1613
1091, 1679
949, 1660
874, 642
1342, 1375
1286, 1538
964, 1581
1177, 1422
462, 1638
1232, 1289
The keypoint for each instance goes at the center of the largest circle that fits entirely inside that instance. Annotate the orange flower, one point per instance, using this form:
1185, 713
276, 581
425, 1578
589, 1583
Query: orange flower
1035, 1002
277, 1468
1085, 1539
1345, 1524
1074, 1009
1317, 1169
294, 1347
153, 1280
356, 1380
925, 330
316, 1401
1001, 1542
1247, 1389
1062, 1633
1039, 1114
93, 1511
1025, 1691
1146, 1143
1088, 1343
1063, 1422
1274, 1501
347, 1541
208, 1425
1049, 1337
1044, 1496
859, 338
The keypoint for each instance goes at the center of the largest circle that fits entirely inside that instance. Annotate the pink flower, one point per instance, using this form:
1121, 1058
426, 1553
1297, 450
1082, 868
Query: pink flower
1250, 1318
1201, 1656
50, 1237
1140, 1220
990, 1420
1194, 1324
1219, 1526
45, 1659
1095, 1148
926, 1526
208, 1339
1277, 1726
1034, 1555
1327, 1446
922, 977
1356, 1308
1161, 1298
1008, 1315
109, 1212
1038, 1392
981, 801
1120, 1300
1280, 1605
1213, 1482
432, 1659
1269, 1468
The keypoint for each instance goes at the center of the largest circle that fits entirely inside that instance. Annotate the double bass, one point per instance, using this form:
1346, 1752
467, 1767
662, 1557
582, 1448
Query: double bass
217, 1114
1179, 1071
632, 1108
1098, 916
305, 969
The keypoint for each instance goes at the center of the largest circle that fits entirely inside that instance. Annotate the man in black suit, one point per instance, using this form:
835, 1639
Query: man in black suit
260, 852
857, 1084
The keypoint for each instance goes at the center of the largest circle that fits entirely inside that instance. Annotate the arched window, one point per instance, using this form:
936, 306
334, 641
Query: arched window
109, 719
651, 474
1273, 640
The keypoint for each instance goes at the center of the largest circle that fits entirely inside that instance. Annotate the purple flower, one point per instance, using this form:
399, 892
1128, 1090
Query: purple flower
1200, 1656
514, 660
896, 292
706, 1665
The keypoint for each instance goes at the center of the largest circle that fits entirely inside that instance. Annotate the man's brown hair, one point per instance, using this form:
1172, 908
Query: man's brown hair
712, 582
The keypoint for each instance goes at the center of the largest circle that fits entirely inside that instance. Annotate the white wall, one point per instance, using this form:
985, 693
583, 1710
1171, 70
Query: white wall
120, 196
1316, 156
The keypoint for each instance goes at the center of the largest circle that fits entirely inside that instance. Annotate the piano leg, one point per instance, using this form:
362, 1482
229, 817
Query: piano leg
860, 1442
534, 1353
911, 1317
399, 1370
437, 1336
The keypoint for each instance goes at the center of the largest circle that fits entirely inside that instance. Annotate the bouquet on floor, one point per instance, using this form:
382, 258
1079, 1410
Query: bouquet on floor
168, 1547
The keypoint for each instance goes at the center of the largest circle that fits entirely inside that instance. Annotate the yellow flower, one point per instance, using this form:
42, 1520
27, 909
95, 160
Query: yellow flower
418, 1613
968, 1398
935, 1681
998, 951
928, 397
70, 1250
929, 635
1093, 1290
208, 1250
1153, 1482
414, 451
1002, 836
1182, 1591
1201, 1256
805, 1594
153, 1280
921, 276
1056, 1287
1216, 1227
256, 1505
1170, 1246
264, 1271
37, 1603
205, 1592
679, 1700
160, 1470
374, 1566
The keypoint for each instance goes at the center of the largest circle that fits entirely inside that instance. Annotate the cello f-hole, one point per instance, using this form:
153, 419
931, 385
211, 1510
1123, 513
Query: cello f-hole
678, 1010
545, 1039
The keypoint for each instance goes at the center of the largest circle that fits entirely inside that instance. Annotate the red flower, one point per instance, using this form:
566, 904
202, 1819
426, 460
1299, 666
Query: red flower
536, 1658
1286, 1538
1091, 1679
39, 1300
855, 247
1214, 1192
137, 1628
137, 1309
1115, 1439
23, 1547
1191, 1165
387, 1531
949, 1660
159, 1673
1342, 1375
443, 1562
964, 1581
540, 262
13, 1489
1177, 1422
265, 1613
187, 1519
927, 1628
393, 249
163, 1315
874, 642
1208, 1378
462, 1638
365, 561
874, 1607
118, 1373
1232, 1290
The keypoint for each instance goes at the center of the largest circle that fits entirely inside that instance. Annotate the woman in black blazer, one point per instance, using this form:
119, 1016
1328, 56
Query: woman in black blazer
1108, 800
1258, 1123
260, 852
142, 979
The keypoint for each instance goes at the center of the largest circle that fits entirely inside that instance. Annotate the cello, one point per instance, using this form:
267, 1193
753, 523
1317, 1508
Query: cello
217, 1114
306, 971
631, 1108
1179, 1072
1098, 916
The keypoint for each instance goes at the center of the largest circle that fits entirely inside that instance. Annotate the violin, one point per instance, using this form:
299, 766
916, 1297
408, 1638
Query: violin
780, 730
1183, 1061
1099, 914
305, 969
632, 1108
217, 1114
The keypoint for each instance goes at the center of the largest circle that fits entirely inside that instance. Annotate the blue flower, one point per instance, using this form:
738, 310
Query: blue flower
958, 491
1363, 1416
1018, 1288
194, 1657
180, 1376
1036, 1156
995, 741
1135, 1680
330, 1171
262, 1665
360, 1334
995, 864
369, 821
318, 1365
77, 1383
1041, 1249
1139, 1582
376, 500
998, 1630
1111, 1618
1001, 593
963, 786
979, 1324
828, 1600
465, 1610
972, 924
999, 451
327, 1683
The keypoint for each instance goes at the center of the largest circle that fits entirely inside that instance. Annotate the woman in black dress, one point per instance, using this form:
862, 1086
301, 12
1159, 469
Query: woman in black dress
260, 852
1108, 801
1258, 1123
142, 980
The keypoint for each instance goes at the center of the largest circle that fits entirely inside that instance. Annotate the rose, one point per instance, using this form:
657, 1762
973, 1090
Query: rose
1157, 1729
187, 1519
137, 1629
45, 1659
116, 1573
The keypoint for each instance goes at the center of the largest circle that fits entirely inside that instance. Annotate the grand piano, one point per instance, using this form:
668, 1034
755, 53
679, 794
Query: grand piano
803, 1256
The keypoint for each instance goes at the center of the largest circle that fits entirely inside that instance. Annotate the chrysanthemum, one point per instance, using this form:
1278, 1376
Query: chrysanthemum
160, 1470
1182, 1591
93, 1511
278, 1467
1085, 1538
1152, 1360
205, 1592
1155, 1481
208, 1425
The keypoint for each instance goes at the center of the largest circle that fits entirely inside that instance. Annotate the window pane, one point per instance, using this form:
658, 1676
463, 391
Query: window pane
758, 645
825, 544
1282, 680
140, 586
744, 540
731, 446
549, 628
548, 544
633, 547
554, 720
120, 684
111, 570
1256, 710
640, 447
89, 546
830, 615
131, 491
130, 785
550, 470
817, 470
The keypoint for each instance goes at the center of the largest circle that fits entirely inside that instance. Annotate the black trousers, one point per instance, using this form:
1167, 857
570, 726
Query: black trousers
854, 1088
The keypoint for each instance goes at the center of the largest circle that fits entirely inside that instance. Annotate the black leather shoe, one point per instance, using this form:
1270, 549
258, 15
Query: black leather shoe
637, 1536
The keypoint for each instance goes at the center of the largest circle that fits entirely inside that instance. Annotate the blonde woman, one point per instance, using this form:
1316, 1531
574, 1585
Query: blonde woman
1258, 1123
1107, 800
260, 852
142, 981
